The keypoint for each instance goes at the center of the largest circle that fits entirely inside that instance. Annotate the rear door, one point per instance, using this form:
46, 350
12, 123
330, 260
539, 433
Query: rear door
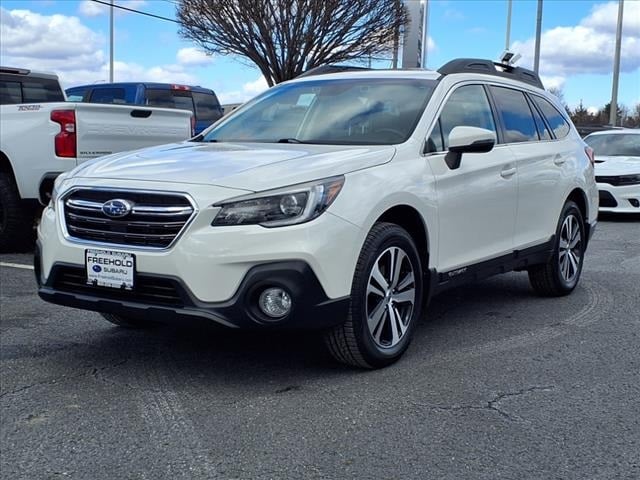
476, 202
541, 162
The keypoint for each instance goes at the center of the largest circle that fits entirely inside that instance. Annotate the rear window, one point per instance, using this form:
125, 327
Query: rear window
29, 90
108, 95
554, 118
516, 115
207, 106
180, 99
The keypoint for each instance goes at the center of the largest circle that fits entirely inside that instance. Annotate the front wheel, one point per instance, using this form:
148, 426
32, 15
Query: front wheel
561, 274
386, 297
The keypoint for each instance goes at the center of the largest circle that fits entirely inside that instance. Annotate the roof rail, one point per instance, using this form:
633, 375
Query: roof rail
489, 67
16, 71
325, 69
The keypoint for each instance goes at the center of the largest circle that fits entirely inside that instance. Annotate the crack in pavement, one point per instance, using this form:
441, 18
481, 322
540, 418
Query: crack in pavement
93, 372
493, 404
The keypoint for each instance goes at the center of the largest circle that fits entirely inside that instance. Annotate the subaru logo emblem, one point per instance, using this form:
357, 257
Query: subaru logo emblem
117, 208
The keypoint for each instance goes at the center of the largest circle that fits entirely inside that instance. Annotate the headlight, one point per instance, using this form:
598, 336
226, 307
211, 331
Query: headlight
277, 208
629, 180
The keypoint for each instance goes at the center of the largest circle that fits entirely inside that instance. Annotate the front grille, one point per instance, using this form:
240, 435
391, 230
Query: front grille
155, 220
147, 289
607, 200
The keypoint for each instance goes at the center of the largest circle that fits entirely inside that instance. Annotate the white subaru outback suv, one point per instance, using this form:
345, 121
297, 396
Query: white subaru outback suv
339, 202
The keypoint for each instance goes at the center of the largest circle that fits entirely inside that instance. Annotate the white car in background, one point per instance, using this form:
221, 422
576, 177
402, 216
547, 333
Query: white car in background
617, 155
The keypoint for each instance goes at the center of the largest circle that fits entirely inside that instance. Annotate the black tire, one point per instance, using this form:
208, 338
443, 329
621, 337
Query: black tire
127, 322
17, 232
550, 279
353, 342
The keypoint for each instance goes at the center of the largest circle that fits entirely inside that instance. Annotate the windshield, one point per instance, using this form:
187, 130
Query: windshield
615, 145
338, 112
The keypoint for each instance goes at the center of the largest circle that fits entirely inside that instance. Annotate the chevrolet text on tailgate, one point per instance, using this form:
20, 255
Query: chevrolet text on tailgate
338, 202
42, 136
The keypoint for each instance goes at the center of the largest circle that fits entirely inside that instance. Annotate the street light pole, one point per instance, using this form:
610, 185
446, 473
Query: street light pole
425, 34
613, 108
111, 42
508, 39
536, 58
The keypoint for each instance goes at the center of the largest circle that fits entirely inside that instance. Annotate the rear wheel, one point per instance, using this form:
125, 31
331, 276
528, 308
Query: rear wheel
561, 274
17, 232
127, 322
386, 297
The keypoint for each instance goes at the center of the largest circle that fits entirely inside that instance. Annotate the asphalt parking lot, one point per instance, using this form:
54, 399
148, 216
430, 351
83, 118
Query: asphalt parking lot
498, 384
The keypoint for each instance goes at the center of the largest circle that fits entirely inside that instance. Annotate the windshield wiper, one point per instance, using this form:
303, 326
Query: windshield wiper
289, 140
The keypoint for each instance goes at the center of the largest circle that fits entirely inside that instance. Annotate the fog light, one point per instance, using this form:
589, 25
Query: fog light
275, 302
634, 202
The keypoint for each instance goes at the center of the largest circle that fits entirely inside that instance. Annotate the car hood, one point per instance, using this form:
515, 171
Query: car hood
617, 165
248, 166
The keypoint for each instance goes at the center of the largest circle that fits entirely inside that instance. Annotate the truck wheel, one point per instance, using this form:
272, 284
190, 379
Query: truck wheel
386, 298
16, 218
561, 274
127, 322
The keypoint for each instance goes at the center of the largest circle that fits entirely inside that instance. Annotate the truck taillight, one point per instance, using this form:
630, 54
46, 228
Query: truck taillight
193, 125
180, 87
590, 154
65, 141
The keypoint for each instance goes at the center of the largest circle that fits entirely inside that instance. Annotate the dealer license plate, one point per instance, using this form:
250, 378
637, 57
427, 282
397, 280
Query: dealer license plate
106, 268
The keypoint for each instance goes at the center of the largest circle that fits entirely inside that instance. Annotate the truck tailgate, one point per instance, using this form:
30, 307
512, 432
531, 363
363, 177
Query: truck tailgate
105, 129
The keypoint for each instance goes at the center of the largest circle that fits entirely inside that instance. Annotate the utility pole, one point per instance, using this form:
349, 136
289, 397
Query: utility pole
613, 110
508, 39
425, 35
111, 42
536, 58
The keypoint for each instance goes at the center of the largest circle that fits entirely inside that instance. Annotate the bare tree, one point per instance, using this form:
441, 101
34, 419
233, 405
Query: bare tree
284, 38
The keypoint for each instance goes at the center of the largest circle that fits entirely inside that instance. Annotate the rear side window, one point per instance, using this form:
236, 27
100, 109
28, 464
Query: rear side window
108, 95
516, 115
76, 94
10, 92
180, 99
543, 131
207, 107
467, 106
554, 118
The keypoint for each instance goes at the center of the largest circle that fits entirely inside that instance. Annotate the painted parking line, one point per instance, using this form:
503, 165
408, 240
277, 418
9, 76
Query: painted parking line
16, 265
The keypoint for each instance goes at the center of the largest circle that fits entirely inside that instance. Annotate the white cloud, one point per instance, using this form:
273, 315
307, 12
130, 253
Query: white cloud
553, 82
249, 90
593, 110
64, 45
89, 8
193, 56
587, 48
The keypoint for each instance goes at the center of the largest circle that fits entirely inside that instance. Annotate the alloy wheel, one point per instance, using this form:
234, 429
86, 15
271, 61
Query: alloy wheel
570, 249
391, 296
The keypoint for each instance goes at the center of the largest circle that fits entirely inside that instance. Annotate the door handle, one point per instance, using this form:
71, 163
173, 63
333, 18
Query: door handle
559, 160
508, 172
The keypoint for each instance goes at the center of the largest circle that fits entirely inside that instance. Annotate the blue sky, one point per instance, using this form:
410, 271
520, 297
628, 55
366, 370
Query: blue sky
70, 37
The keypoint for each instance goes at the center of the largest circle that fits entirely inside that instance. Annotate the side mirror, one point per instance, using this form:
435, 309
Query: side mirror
468, 140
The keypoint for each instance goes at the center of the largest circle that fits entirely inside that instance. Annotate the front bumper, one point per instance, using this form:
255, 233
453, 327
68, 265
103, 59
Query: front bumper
167, 299
623, 199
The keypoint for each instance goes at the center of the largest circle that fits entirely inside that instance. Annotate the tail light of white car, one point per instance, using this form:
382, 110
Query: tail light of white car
65, 141
590, 153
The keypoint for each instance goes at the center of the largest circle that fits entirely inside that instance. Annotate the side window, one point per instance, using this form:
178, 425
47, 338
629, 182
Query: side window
543, 131
516, 115
467, 106
207, 107
75, 94
554, 118
10, 92
36, 90
435, 142
108, 95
